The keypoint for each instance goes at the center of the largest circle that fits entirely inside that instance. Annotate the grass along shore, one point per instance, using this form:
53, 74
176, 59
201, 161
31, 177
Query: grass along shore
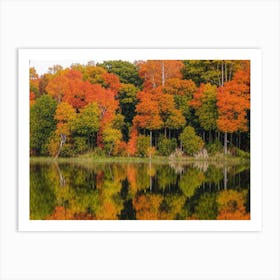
218, 159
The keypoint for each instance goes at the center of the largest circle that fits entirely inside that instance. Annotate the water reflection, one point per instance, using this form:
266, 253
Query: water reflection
143, 191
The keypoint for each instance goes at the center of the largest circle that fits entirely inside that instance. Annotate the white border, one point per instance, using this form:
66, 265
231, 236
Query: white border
26, 55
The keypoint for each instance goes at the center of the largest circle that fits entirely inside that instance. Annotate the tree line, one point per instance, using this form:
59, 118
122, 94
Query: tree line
119, 108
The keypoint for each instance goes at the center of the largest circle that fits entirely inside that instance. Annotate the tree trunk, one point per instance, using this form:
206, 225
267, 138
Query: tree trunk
239, 140
210, 137
222, 73
151, 144
151, 180
165, 133
225, 143
162, 73
225, 178
62, 141
226, 72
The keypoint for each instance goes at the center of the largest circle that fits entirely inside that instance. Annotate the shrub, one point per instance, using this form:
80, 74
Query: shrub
215, 147
80, 145
142, 145
192, 143
67, 150
242, 154
98, 152
166, 146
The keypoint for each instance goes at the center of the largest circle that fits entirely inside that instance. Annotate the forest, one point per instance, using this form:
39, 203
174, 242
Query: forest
154, 108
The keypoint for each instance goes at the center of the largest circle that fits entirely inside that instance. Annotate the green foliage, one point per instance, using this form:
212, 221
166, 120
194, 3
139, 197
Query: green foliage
93, 74
166, 146
214, 148
118, 122
127, 97
143, 145
42, 124
96, 153
207, 113
87, 121
192, 143
127, 72
80, 145
169, 96
111, 137
181, 103
209, 71
67, 150
239, 153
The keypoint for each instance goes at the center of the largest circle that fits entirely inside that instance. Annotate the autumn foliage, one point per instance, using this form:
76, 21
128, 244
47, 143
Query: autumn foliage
155, 98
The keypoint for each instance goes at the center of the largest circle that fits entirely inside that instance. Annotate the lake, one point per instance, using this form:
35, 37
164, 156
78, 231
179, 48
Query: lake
139, 191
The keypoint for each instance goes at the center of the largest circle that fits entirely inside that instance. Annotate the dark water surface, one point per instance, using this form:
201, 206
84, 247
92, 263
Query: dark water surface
142, 191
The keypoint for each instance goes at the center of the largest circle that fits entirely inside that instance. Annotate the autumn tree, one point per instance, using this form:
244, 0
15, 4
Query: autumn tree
67, 86
34, 81
171, 117
148, 113
233, 102
93, 74
157, 72
32, 98
182, 92
64, 115
108, 105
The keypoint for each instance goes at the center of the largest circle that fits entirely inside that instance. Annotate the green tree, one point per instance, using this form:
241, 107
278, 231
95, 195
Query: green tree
204, 103
192, 143
127, 97
182, 91
111, 137
142, 145
86, 123
216, 72
127, 72
42, 124
166, 146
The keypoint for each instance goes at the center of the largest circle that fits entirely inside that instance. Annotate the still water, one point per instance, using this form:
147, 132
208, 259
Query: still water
139, 191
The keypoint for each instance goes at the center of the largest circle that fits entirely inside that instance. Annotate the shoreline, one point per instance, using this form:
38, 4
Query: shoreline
221, 160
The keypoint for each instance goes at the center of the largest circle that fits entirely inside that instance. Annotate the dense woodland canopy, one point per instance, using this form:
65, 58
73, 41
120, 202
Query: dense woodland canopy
145, 108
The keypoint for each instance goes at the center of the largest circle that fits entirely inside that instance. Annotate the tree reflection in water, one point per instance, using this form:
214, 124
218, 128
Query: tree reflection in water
143, 191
